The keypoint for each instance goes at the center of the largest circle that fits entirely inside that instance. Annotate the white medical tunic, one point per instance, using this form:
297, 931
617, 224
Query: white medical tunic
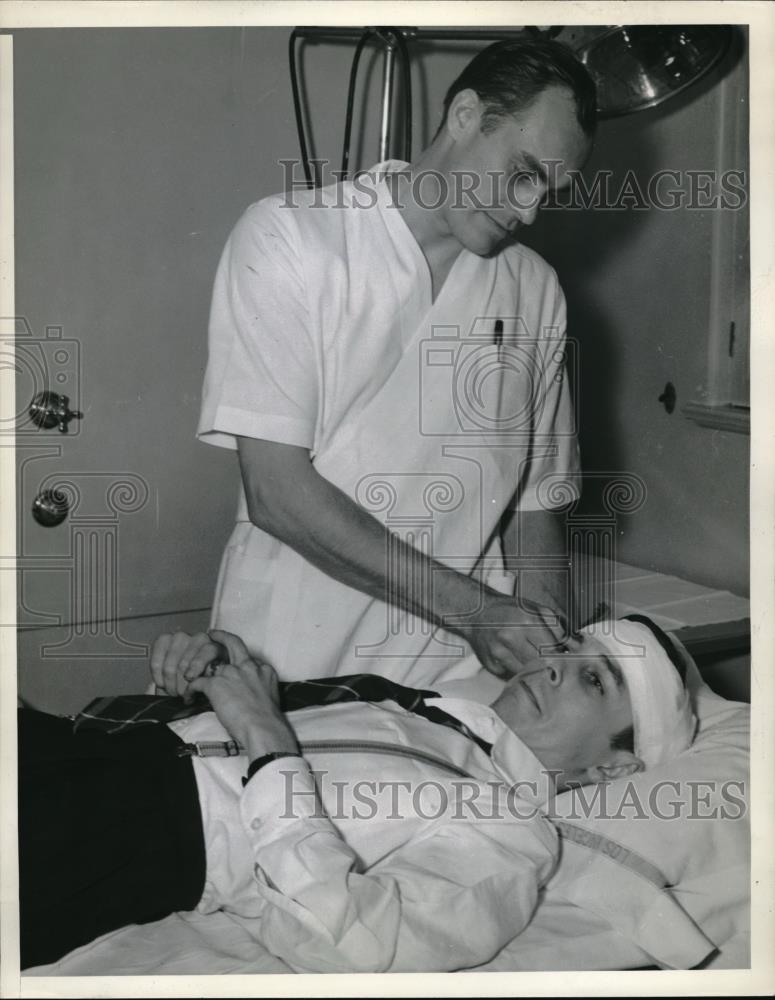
324, 334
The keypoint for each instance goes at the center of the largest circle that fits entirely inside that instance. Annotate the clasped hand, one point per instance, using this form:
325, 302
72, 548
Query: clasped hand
244, 694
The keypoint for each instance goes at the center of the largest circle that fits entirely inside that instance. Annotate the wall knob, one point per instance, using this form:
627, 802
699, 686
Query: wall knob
50, 508
51, 409
668, 397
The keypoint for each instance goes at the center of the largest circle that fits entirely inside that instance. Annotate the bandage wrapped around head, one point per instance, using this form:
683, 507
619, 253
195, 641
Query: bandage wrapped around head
655, 672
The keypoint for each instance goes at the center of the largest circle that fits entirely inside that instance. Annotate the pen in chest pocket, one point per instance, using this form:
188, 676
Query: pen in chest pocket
497, 339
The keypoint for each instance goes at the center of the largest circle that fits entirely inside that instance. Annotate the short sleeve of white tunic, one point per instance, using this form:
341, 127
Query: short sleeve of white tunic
262, 378
314, 300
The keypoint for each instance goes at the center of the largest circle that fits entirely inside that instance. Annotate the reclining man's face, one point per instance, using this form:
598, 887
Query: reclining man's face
567, 708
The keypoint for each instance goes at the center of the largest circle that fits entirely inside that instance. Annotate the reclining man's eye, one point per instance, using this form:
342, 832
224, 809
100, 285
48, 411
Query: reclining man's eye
594, 678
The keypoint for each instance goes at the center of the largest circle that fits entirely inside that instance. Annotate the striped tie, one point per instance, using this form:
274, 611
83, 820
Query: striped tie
372, 688
123, 712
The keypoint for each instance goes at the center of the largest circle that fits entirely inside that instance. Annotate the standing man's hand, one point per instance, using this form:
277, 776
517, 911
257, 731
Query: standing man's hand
505, 635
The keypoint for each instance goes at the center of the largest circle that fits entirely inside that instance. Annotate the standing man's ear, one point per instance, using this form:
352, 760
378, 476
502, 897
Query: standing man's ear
465, 114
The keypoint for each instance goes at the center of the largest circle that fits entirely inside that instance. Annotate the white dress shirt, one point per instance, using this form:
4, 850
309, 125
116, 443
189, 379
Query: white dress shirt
394, 844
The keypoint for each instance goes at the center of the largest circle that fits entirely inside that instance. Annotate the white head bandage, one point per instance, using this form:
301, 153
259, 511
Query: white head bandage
663, 720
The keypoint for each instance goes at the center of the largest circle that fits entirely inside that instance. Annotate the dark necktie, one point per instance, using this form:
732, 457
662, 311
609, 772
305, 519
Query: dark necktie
373, 688
123, 712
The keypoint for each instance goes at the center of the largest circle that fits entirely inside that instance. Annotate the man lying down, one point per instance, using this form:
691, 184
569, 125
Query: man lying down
383, 829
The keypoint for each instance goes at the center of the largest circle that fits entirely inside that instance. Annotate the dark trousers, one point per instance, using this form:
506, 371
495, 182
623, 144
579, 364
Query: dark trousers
110, 833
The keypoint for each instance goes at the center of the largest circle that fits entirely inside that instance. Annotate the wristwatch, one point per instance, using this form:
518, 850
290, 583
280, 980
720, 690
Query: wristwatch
255, 765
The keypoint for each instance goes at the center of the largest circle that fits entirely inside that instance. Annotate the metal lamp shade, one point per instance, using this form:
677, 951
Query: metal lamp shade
639, 66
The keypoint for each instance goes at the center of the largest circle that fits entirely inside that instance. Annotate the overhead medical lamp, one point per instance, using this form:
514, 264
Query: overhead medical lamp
634, 67
640, 66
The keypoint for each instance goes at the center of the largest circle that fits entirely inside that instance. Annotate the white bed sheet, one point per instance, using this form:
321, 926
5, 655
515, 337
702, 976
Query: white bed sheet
561, 937
192, 944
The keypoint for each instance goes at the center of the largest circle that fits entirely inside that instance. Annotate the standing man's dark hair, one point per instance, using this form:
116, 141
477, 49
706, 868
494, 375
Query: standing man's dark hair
509, 75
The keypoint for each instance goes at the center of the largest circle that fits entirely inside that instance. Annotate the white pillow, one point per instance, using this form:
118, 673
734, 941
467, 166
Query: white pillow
665, 858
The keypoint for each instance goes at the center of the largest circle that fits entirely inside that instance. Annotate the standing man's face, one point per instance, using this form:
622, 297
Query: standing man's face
509, 170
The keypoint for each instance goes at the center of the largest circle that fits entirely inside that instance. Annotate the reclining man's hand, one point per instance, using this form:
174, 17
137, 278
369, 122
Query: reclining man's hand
244, 695
177, 658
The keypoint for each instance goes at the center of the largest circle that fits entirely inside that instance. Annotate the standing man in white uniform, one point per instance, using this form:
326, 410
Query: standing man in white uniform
388, 362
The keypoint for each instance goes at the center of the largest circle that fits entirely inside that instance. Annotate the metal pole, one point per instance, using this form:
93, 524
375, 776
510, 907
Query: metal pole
387, 99
431, 34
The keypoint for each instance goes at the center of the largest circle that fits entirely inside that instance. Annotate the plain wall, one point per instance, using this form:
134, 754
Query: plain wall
136, 151
638, 285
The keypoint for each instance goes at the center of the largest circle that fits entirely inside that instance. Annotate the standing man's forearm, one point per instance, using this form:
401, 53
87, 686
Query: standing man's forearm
535, 547
290, 500
334, 533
